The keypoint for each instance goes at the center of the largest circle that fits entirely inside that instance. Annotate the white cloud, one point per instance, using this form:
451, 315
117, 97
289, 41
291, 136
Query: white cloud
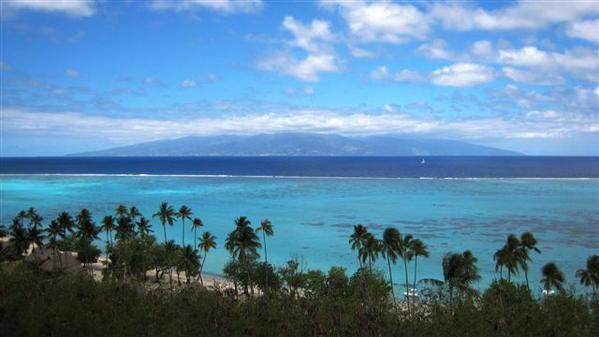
360, 52
379, 74
535, 124
526, 14
72, 73
579, 62
381, 21
586, 30
78, 8
211, 78
436, 50
483, 49
531, 77
314, 39
462, 75
406, 75
528, 56
189, 84
222, 6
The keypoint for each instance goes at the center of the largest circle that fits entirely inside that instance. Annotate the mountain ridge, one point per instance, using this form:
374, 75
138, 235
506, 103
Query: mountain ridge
300, 144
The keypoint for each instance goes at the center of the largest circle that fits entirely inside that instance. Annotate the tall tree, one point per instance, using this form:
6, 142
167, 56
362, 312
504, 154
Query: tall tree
243, 244
418, 249
134, 213
552, 277
121, 211
144, 227
108, 226
207, 242
184, 213
266, 229
86, 228
590, 275
528, 243
390, 250
459, 272
53, 231
190, 262
357, 240
66, 223
196, 223
19, 238
404, 248
370, 250
166, 214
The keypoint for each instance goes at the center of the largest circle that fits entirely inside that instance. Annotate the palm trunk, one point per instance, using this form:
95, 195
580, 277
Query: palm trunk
195, 237
509, 275
202, 268
265, 260
164, 227
391, 280
183, 220
526, 277
405, 262
415, 269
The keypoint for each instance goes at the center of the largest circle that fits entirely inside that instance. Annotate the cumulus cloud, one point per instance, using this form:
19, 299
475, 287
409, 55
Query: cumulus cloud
222, 6
531, 77
381, 21
586, 30
76, 8
406, 75
437, 49
525, 14
313, 39
580, 62
462, 75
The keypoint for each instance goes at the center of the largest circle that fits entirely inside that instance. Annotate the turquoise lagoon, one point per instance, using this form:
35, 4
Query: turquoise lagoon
313, 217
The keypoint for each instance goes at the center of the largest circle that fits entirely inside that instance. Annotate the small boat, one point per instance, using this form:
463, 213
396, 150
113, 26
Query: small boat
412, 292
422, 161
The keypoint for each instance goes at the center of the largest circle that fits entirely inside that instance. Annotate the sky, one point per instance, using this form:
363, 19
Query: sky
80, 75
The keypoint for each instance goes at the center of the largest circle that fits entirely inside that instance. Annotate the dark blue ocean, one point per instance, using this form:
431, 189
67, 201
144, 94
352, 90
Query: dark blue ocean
315, 202
388, 167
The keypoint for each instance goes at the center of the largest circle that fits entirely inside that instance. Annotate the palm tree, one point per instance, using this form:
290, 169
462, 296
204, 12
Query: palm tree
121, 211
53, 231
527, 243
418, 249
66, 223
243, 244
195, 224
166, 215
134, 213
19, 237
266, 229
509, 256
590, 275
357, 240
190, 262
3, 231
459, 272
144, 227
370, 250
390, 249
184, 213
86, 228
108, 226
404, 246
207, 242
35, 219
552, 277
170, 247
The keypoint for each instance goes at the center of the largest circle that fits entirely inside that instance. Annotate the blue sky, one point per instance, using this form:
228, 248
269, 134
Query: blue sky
82, 75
